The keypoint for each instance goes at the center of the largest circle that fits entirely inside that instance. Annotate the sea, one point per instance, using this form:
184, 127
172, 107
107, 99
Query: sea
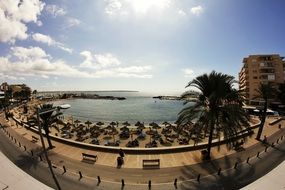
137, 106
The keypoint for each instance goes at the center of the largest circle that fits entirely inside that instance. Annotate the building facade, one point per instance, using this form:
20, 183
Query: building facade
260, 69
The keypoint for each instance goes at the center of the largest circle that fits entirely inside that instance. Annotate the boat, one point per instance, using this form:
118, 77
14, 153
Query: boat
64, 106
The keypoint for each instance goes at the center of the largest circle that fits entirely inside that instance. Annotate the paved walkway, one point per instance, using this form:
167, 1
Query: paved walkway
133, 160
12, 177
183, 166
272, 180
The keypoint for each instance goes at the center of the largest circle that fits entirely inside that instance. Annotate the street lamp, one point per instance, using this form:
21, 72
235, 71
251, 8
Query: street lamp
43, 144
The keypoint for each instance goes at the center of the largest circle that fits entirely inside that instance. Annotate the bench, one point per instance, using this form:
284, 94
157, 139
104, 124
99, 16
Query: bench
238, 145
89, 157
34, 139
151, 163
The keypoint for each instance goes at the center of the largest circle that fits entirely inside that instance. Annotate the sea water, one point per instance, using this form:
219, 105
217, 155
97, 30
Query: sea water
136, 107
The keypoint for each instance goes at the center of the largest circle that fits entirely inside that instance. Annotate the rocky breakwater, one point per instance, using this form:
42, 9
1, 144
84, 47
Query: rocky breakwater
90, 96
167, 97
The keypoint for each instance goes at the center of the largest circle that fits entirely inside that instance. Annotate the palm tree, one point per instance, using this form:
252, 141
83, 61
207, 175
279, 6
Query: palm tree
48, 117
265, 92
218, 108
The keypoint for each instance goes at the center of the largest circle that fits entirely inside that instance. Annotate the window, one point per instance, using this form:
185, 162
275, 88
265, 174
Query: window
271, 77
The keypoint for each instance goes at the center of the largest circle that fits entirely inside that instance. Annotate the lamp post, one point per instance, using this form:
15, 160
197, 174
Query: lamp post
43, 144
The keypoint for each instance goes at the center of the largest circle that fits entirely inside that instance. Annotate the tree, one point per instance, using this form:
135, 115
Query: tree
265, 91
48, 117
218, 108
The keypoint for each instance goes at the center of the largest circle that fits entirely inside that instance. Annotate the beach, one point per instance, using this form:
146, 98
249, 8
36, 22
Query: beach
119, 134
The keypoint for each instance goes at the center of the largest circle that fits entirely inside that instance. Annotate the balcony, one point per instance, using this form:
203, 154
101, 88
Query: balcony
266, 71
266, 65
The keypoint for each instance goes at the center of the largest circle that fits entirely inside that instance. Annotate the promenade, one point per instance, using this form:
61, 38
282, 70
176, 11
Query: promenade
184, 166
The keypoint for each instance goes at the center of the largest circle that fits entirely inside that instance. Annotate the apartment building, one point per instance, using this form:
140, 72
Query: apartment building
260, 69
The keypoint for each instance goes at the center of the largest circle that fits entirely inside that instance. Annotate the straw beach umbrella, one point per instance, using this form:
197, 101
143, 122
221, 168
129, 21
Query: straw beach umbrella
141, 127
95, 127
155, 125
126, 123
99, 123
109, 127
88, 123
138, 124
125, 128
165, 123
77, 122
113, 123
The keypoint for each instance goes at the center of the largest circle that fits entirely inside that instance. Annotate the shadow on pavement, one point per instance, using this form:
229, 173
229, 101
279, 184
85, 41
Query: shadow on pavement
228, 178
26, 162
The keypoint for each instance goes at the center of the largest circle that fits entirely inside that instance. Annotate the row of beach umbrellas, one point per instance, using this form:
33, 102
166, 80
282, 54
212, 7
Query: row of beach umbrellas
113, 131
138, 124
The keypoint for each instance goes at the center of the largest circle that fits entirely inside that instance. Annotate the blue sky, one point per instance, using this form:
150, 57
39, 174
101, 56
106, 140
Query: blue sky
153, 46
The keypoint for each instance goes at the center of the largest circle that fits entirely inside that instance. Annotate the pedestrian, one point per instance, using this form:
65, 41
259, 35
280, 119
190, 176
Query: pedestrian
121, 153
120, 161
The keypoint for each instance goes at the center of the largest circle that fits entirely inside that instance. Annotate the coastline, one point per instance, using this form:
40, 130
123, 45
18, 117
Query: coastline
111, 134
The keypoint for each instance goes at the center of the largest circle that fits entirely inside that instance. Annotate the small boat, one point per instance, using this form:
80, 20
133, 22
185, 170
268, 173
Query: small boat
64, 106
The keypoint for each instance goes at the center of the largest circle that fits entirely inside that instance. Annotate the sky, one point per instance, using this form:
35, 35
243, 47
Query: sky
155, 46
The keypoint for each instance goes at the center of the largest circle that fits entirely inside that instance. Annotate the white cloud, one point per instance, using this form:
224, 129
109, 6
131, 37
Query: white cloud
144, 5
14, 15
108, 65
99, 61
113, 7
88, 62
43, 38
126, 72
55, 10
181, 12
134, 69
34, 61
39, 23
69, 50
49, 41
71, 22
188, 73
31, 53
124, 7
106, 60
197, 10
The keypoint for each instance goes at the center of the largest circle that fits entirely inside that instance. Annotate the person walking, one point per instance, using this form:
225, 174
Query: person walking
121, 153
